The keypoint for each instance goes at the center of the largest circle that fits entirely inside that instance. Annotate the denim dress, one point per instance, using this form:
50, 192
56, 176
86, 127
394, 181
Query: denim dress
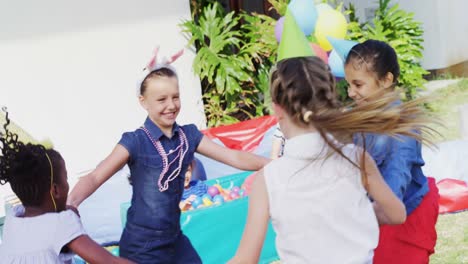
152, 233
400, 162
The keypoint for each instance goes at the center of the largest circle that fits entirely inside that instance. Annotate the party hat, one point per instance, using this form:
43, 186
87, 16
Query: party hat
341, 46
293, 41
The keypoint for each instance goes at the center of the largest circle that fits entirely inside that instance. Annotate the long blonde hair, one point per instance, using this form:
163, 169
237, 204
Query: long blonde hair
305, 88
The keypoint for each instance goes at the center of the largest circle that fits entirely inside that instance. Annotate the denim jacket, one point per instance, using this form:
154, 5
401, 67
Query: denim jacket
399, 161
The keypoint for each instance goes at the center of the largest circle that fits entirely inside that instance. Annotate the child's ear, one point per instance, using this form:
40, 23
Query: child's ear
55, 191
278, 111
387, 80
141, 98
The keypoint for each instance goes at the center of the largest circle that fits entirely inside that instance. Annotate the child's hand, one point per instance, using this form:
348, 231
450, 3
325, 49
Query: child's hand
74, 209
191, 198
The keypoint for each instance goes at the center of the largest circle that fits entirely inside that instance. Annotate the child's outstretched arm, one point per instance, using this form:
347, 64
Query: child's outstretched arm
238, 159
89, 183
91, 252
389, 209
255, 229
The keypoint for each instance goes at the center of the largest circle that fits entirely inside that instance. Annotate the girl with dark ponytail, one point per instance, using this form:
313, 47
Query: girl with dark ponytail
372, 71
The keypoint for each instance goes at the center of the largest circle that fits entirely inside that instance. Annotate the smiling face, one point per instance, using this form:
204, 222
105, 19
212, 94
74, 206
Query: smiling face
371, 68
362, 82
161, 100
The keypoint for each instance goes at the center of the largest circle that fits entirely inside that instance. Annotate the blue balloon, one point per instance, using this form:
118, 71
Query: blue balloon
336, 64
305, 13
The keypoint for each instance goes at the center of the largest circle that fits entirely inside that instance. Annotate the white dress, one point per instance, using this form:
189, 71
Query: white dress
319, 207
38, 239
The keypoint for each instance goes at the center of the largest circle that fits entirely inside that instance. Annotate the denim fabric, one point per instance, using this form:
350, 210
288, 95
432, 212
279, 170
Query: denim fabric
197, 188
152, 233
399, 160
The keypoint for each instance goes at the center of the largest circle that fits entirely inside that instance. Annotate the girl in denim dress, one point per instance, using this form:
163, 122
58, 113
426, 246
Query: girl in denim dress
158, 154
372, 70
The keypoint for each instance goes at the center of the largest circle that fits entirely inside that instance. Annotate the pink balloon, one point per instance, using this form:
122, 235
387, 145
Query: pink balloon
319, 52
279, 29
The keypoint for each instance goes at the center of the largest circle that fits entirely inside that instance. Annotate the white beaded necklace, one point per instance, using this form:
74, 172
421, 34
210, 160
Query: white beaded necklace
166, 164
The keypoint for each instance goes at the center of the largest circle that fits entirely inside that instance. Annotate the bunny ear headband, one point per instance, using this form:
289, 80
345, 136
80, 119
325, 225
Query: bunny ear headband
154, 65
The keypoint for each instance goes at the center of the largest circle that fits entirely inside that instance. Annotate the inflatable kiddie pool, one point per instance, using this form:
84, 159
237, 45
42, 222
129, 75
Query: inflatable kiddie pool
215, 231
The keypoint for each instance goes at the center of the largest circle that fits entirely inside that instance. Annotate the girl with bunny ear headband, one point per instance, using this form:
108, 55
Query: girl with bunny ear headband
158, 155
154, 67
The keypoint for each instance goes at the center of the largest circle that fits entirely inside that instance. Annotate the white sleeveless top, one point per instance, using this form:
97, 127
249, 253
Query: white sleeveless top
319, 207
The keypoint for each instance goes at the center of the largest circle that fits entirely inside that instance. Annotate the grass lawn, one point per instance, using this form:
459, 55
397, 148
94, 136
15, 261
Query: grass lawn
445, 105
452, 242
452, 229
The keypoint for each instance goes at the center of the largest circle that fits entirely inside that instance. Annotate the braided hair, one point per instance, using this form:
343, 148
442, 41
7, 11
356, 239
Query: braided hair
26, 167
305, 88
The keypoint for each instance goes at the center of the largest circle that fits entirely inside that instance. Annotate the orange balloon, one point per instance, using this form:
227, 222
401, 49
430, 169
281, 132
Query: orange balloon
319, 52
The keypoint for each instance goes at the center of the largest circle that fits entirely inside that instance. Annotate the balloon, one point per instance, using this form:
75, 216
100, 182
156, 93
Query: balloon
319, 52
305, 14
330, 23
279, 29
336, 64
322, 6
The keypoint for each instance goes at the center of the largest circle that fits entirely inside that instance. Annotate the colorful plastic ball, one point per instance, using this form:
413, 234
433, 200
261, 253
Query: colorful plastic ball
235, 189
213, 191
226, 197
197, 202
220, 189
218, 199
206, 196
242, 193
115, 251
279, 29
234, 195
331, 23
305, 13
207, 202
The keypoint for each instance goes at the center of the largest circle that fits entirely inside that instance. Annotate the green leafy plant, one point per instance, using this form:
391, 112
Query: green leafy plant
398, 28
280, 6
233, 62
